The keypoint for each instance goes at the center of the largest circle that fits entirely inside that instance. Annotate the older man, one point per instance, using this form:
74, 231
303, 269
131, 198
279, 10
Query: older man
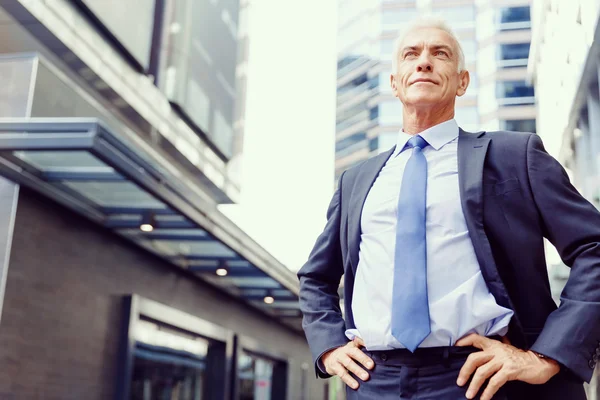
440, 242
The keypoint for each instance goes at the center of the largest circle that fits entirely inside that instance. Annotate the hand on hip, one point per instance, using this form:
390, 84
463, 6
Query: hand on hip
346, 359
499, 363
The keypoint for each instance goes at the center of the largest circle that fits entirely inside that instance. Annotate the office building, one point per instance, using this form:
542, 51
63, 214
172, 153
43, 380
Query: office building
564, 68
120, 130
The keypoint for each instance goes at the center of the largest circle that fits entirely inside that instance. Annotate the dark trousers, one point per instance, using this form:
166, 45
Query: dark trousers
431, 374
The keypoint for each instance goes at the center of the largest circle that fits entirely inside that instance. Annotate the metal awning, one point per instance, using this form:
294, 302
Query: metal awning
83, 165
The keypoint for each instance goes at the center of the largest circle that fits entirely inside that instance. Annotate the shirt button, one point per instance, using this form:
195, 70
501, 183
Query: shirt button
384, 357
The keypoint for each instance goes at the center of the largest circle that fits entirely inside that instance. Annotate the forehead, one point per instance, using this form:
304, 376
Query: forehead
427, 36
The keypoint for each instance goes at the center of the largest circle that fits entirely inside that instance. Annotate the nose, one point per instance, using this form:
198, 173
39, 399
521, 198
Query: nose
424, 64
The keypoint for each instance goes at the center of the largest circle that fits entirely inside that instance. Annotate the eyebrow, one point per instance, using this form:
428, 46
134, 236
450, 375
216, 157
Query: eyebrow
434, 47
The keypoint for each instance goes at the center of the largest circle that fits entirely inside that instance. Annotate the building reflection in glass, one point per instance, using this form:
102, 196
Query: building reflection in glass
255, 377
169, 364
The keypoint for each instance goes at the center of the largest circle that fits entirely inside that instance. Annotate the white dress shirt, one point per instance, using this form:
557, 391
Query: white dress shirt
459, 300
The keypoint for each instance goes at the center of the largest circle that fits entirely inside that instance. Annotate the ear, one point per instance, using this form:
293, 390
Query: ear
394, 85
463, 82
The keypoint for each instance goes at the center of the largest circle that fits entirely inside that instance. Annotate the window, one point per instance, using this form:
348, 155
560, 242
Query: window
168, 364
513, 18
350, 141
374, 144
129, 21
169, 354
255, 376
198, 73
513, 55
515, 14
260, 375
514, 51
519, 91
519, 125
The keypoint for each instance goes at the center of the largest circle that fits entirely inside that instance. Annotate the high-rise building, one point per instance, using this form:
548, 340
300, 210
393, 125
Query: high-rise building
495, 39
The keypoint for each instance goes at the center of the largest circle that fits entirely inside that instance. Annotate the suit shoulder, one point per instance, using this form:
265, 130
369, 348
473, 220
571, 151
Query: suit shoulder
510, 135
510, 138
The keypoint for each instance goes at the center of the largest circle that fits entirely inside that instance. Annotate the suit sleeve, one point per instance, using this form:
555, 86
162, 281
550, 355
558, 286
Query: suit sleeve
320, 277
571, 334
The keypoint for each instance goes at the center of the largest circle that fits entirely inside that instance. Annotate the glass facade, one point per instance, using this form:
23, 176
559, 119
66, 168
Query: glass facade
198, 73
130, 21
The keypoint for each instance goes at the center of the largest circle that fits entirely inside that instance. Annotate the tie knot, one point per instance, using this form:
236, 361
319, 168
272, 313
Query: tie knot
417, 141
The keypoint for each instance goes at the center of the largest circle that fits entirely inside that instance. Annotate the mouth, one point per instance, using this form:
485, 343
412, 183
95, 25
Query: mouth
423, 81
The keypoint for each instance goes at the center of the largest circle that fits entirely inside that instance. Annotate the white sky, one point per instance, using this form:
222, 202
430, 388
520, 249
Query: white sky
288, 161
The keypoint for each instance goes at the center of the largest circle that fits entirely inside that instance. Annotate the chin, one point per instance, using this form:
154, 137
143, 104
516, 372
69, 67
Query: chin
425, 99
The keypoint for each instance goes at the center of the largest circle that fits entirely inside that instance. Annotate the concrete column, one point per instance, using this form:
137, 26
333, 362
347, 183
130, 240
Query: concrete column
9, 196
18, 72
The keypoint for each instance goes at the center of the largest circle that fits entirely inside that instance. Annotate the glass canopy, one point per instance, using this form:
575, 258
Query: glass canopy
82, 165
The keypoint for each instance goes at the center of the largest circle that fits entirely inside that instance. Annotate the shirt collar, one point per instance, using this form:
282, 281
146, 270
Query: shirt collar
437, 136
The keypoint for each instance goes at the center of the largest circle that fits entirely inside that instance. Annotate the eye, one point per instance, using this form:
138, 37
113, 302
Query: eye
441, 52
410, 54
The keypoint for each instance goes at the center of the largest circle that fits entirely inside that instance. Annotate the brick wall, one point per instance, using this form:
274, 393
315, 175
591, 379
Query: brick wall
66, 280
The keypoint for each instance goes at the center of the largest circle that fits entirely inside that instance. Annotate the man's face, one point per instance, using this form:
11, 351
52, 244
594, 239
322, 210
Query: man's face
427, 73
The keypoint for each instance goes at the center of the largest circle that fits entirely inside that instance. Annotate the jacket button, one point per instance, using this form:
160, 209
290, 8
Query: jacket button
384, 357
592, 364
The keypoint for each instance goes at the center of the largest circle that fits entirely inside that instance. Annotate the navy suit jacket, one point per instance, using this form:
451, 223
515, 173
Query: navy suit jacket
513, 194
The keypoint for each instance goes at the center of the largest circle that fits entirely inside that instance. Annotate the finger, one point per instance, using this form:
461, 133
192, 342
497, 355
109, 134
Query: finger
482, 374
362, 358
474, 361
474, 340
359, 342
346, 377
353, 367
494, 385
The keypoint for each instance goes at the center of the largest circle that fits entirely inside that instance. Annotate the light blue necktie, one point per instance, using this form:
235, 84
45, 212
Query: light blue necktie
410, 307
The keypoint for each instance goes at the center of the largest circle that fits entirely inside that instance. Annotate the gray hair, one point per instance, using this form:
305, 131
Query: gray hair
427, 21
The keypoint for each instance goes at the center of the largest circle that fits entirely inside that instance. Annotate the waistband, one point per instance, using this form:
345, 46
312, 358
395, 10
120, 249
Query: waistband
422, 356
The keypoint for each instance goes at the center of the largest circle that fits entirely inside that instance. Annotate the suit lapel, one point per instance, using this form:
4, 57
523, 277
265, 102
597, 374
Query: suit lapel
362, 184
472, 150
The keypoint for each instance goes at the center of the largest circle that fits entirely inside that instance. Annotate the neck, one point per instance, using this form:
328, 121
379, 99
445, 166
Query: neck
416, 120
